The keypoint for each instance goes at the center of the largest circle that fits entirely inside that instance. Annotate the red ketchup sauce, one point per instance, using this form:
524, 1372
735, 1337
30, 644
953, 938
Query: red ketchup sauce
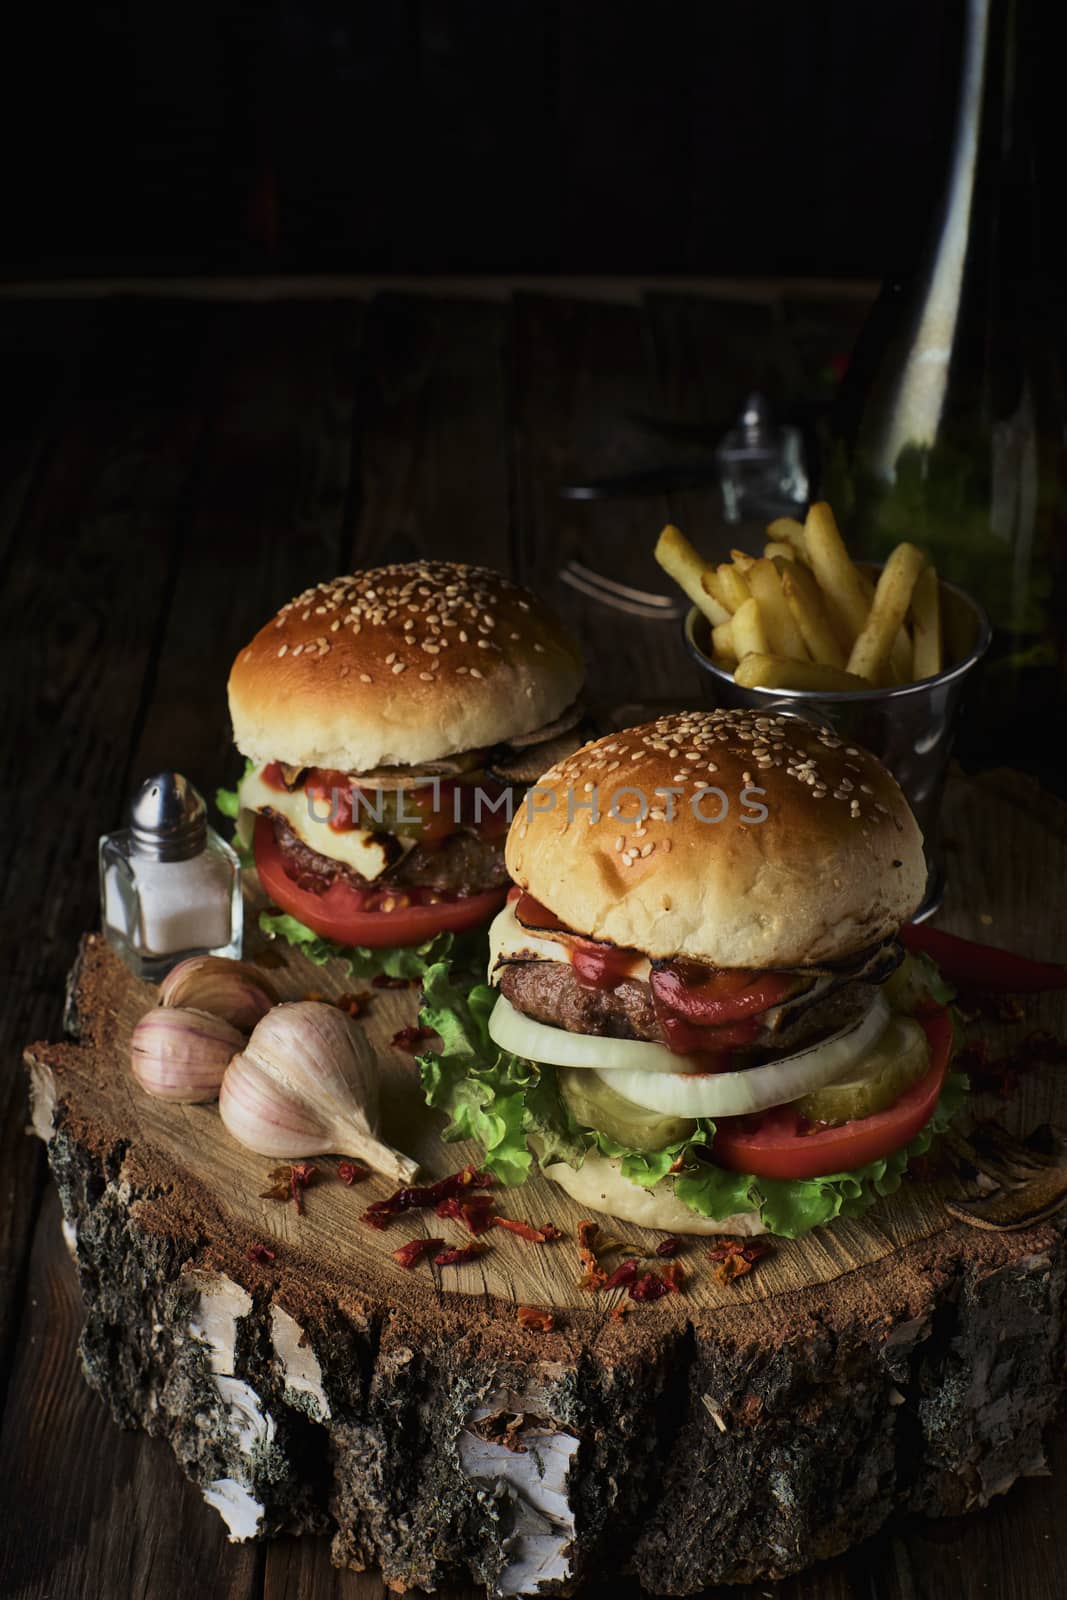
440, 814
703, 1012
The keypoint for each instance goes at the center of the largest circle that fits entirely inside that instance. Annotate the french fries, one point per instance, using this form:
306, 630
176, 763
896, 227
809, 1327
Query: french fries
733, 588
762, 671
805, 602
803, 616
783, 635
722, 642
842, 586
787, 530
892, 597
926, 625
748, 633
678, 558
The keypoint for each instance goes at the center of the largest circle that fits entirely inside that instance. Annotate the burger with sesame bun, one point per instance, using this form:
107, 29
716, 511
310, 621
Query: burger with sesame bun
699, 1015
390, 719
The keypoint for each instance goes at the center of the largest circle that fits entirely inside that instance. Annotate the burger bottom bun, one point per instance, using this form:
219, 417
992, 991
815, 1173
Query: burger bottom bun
598, 1184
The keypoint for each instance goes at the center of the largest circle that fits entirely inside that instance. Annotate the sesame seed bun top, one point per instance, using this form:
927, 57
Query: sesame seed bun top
816, 856
399, 665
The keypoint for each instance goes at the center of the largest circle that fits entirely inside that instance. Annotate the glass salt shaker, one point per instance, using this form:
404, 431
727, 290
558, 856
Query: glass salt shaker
169, 886
761, 466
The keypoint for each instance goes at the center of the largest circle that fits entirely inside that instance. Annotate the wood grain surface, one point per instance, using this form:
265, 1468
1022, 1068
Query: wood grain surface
178, 470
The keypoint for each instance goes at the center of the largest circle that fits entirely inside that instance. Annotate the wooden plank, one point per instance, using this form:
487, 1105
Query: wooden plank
580, 370
88, 1509
41, 351
433, 470
263, 517
102, 521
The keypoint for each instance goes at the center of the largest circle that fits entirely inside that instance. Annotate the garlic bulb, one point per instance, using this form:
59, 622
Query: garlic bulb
178, 1053
306, 1084
233, 990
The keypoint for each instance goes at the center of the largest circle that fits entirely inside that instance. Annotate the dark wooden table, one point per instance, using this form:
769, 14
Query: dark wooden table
171, 470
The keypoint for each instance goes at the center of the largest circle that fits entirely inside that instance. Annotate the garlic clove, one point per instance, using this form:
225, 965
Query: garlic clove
234, 990
306, 1084
179, 1053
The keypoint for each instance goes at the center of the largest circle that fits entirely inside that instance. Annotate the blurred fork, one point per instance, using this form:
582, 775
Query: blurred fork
620, 596
1028, 1186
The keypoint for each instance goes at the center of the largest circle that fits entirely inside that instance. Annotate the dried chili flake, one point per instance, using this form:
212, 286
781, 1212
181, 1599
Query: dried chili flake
384, 981
409, 1255
476, 1210
417, 1197
289, 1183
735, 1257
674, 1275
260, 1253
526, 1230
531, 1317
456, 1255
618, 1312
411, 1037
624, 1274
354, 1005
313, 994
351, 1172
1001, 1075
649, 1286
668, 1247
592, 1244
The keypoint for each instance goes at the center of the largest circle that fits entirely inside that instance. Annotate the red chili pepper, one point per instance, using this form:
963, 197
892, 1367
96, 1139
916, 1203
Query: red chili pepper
531, 1317
409, 1255
983, 966
526, 1230
351, 1172
650, 1286
411, 1037
260, 1253
624, 1274
475, 1210
418, 1197
668, 1247
458, 1254
384, 981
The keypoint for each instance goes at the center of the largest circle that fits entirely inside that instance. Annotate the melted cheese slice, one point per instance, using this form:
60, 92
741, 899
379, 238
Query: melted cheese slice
509, 940
355, 848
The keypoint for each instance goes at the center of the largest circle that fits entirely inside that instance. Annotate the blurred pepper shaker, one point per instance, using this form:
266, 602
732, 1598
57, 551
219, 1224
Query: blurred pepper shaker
761, 467
169, 886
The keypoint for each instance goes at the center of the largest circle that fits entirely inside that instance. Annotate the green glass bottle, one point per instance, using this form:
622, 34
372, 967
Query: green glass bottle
949, 429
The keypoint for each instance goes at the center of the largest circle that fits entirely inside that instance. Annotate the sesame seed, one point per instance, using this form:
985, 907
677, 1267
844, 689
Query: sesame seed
365, 677
283, 649
647, 849
620, 841
475, 673
390, 658
400, 666
298, 650
427, 677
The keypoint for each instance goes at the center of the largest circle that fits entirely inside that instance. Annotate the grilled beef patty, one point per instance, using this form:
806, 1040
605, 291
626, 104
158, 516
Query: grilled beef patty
551, 992
463, 863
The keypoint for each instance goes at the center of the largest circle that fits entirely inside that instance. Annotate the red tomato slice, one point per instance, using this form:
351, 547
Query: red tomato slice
343, 913
773, 1144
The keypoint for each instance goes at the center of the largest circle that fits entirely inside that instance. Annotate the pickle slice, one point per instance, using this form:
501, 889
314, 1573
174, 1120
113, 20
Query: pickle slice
594, 1104
899, 1058
907, 987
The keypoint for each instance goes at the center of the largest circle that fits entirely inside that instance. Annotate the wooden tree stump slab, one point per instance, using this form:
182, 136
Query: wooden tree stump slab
739, 1431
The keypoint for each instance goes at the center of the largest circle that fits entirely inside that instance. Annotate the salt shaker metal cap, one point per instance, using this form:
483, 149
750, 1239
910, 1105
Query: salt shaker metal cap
168, 818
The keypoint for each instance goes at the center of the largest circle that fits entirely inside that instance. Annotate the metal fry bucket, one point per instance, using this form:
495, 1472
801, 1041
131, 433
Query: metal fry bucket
910, 727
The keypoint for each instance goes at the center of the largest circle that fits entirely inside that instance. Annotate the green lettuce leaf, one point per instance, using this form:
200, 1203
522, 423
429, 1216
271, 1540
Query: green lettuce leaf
503, 1102
467, 951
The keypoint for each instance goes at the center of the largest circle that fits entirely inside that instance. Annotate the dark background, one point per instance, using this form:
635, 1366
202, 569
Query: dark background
468, 136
